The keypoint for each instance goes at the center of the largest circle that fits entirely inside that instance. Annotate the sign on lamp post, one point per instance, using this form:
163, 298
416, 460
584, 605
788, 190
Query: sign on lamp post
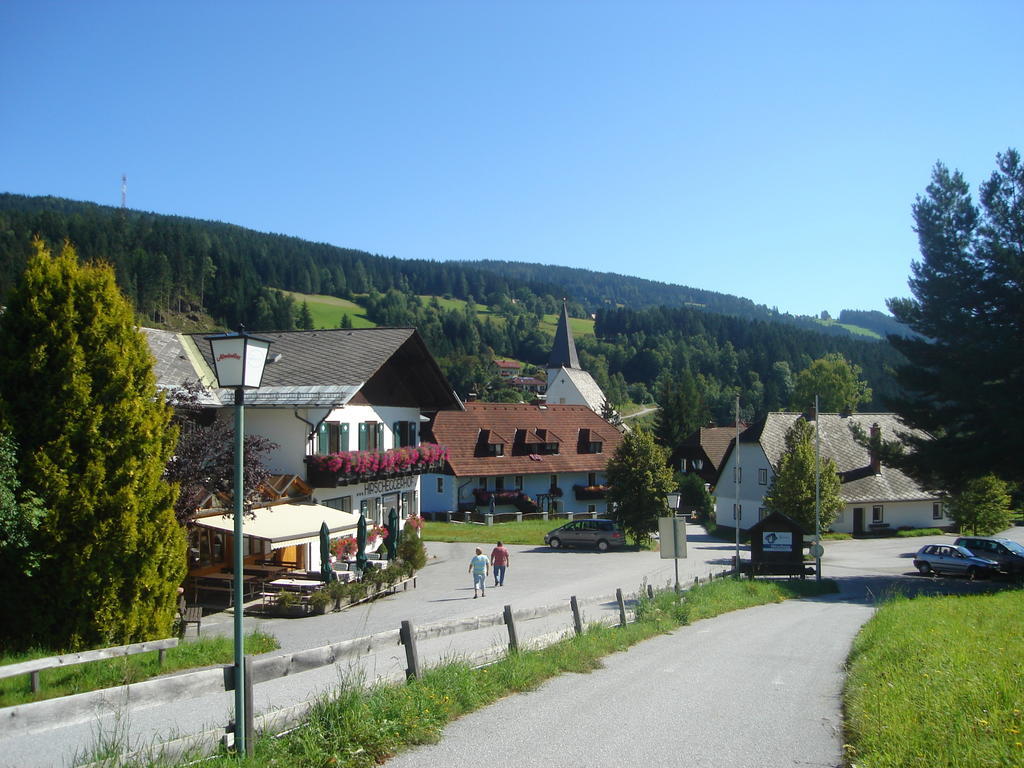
238, 361
672, 534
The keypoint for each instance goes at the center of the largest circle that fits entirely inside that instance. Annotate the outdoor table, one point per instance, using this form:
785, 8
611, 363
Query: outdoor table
302, 585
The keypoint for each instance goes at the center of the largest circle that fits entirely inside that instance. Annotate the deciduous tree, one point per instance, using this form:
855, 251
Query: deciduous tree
837, 383
640, 482
204, 459
982, 506
80, 397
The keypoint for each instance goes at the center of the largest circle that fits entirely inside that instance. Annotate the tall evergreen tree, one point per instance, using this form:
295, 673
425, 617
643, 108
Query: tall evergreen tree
964, 379
80, 397
681, 409
792, 488
640, 480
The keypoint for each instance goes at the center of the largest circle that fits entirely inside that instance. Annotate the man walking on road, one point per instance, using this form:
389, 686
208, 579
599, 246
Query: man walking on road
479, 567
499, 562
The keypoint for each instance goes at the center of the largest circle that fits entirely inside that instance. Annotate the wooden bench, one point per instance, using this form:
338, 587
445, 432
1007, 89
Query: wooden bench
190, 614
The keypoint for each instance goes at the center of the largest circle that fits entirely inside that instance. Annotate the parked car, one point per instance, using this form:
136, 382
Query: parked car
942, 558
602, 534
1008, 553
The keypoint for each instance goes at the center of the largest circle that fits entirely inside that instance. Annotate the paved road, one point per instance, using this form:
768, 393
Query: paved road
757, 688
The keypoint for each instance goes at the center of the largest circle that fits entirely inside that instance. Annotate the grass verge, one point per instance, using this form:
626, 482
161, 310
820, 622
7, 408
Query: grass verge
936, 681
527, 532
109, 673
359, 728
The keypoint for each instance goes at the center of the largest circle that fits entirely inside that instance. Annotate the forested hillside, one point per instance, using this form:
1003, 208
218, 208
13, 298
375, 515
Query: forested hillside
173, 267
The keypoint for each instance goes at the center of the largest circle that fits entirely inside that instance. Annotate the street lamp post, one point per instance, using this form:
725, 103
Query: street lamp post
238, 360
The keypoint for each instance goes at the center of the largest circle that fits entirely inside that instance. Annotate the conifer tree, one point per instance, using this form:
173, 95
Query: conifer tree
80, 398
792, 488
963, 383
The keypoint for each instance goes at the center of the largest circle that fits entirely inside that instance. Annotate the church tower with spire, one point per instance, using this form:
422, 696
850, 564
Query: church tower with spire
568, 384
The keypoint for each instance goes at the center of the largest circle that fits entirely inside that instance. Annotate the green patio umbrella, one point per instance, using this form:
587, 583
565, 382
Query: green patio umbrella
361, 544
391, 542
326, 572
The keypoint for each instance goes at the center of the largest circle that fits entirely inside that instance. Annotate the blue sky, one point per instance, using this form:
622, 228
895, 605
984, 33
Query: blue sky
770, 150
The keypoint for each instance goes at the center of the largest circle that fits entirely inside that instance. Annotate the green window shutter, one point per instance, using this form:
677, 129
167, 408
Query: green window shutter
362, 436
412, 433
396, 434
380, 436
344, 437
321, 438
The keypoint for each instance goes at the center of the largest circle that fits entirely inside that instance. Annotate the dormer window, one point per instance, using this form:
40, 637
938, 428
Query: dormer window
495, 449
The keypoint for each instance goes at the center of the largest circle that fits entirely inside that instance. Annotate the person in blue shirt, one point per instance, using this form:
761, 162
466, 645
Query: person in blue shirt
479, 566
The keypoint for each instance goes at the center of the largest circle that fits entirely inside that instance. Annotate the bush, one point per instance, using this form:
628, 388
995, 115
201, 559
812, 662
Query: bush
318, 600
412, 551
286, 599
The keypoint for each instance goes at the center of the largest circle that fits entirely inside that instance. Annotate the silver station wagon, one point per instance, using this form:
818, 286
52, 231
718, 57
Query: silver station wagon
602, 534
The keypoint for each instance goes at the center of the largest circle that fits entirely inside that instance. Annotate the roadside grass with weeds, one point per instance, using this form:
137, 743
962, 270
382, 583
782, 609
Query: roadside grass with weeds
936, 681
109, 673
360, 728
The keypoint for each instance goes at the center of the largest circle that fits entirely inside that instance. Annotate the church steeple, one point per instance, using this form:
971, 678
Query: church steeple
563, 352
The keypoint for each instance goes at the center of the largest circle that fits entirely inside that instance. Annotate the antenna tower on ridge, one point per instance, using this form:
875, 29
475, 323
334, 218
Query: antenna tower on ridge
124, 191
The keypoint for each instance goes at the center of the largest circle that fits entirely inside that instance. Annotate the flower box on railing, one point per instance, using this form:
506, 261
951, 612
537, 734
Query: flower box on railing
345, 467
590, 492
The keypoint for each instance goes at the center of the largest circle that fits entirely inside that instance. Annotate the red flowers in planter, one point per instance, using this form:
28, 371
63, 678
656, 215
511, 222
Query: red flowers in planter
345, 547
373, 462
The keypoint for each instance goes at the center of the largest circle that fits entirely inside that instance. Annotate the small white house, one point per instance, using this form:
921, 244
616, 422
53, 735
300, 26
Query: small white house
877, 496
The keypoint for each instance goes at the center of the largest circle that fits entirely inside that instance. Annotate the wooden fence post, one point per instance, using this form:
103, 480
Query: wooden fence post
412, 657
622, 606
34, 678
577, 621
250, 718
513, 638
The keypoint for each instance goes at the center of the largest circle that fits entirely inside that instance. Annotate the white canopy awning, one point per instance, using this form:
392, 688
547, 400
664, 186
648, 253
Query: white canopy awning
285, 525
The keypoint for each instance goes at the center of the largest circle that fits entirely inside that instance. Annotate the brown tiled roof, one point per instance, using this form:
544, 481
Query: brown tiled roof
715, 442
460, 432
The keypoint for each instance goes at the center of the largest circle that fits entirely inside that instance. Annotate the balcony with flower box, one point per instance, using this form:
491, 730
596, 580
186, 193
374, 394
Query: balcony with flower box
349, 467
590, 492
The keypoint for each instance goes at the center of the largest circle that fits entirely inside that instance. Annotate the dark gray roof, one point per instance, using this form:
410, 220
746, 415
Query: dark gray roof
563, 352
173, 364
852, 459
320, 368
